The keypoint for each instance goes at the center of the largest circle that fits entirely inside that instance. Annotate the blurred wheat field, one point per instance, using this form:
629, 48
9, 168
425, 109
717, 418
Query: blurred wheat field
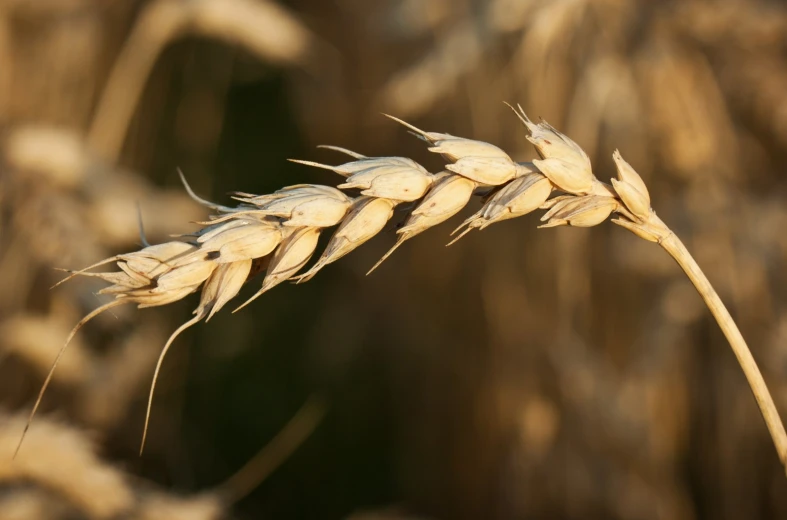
518, 374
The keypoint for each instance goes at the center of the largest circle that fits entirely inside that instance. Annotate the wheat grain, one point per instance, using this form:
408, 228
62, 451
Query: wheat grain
287, 223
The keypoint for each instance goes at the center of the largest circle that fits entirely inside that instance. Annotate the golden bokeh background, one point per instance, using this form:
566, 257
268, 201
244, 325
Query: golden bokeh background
520, 374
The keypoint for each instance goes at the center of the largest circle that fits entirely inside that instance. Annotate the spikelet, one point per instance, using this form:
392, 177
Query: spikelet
446, 198
367, 218
188, 275
630, 187
584, 211
562, 160
395, 178
303, 205
491, 171
293, 253
223, 284
239, 242
478, 161
162, 254
451, 147
155, 297
515, 199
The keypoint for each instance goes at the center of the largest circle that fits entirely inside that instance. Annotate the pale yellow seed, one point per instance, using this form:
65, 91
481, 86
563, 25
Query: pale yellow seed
367, 218
635, 201
581, 212
628, 175
456, 148
223, 285
567, 176
515, 199
446, 198
492, 171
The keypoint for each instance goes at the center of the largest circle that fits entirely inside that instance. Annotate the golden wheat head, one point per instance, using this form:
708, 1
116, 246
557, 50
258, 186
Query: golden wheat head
284, 227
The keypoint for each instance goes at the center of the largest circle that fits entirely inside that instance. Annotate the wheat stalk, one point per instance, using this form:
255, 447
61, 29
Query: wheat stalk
282, 229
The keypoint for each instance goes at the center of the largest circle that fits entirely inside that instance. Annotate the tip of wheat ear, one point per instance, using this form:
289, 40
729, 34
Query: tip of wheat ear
73, 274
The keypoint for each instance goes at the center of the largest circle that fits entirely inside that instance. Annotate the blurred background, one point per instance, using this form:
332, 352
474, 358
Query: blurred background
520, 374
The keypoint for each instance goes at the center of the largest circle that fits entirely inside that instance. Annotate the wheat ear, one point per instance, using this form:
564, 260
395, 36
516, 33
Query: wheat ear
282, 228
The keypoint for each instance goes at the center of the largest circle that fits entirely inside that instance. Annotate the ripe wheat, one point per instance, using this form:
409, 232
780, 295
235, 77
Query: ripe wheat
283, 228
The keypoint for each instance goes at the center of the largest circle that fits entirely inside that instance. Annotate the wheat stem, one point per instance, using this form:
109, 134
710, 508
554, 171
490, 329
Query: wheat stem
677, 250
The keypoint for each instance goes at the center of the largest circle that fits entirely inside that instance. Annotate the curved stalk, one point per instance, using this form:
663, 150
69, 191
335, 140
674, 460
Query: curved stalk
672, 244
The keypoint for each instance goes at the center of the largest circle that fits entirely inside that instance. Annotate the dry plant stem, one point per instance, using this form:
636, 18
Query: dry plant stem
276, 451
672, 244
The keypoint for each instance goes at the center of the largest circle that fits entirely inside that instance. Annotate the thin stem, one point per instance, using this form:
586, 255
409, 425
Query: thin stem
678, 251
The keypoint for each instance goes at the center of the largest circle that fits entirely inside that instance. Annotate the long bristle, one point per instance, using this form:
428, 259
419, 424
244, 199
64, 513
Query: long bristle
83, 321
142, 238
256, 295
82, 271
315, 164
399, 242
174, 335
417, 131
455, 240
311, 273
466, 222
199, 200
519, 114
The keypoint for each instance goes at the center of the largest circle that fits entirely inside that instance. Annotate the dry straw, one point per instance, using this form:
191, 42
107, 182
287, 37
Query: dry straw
282, 228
